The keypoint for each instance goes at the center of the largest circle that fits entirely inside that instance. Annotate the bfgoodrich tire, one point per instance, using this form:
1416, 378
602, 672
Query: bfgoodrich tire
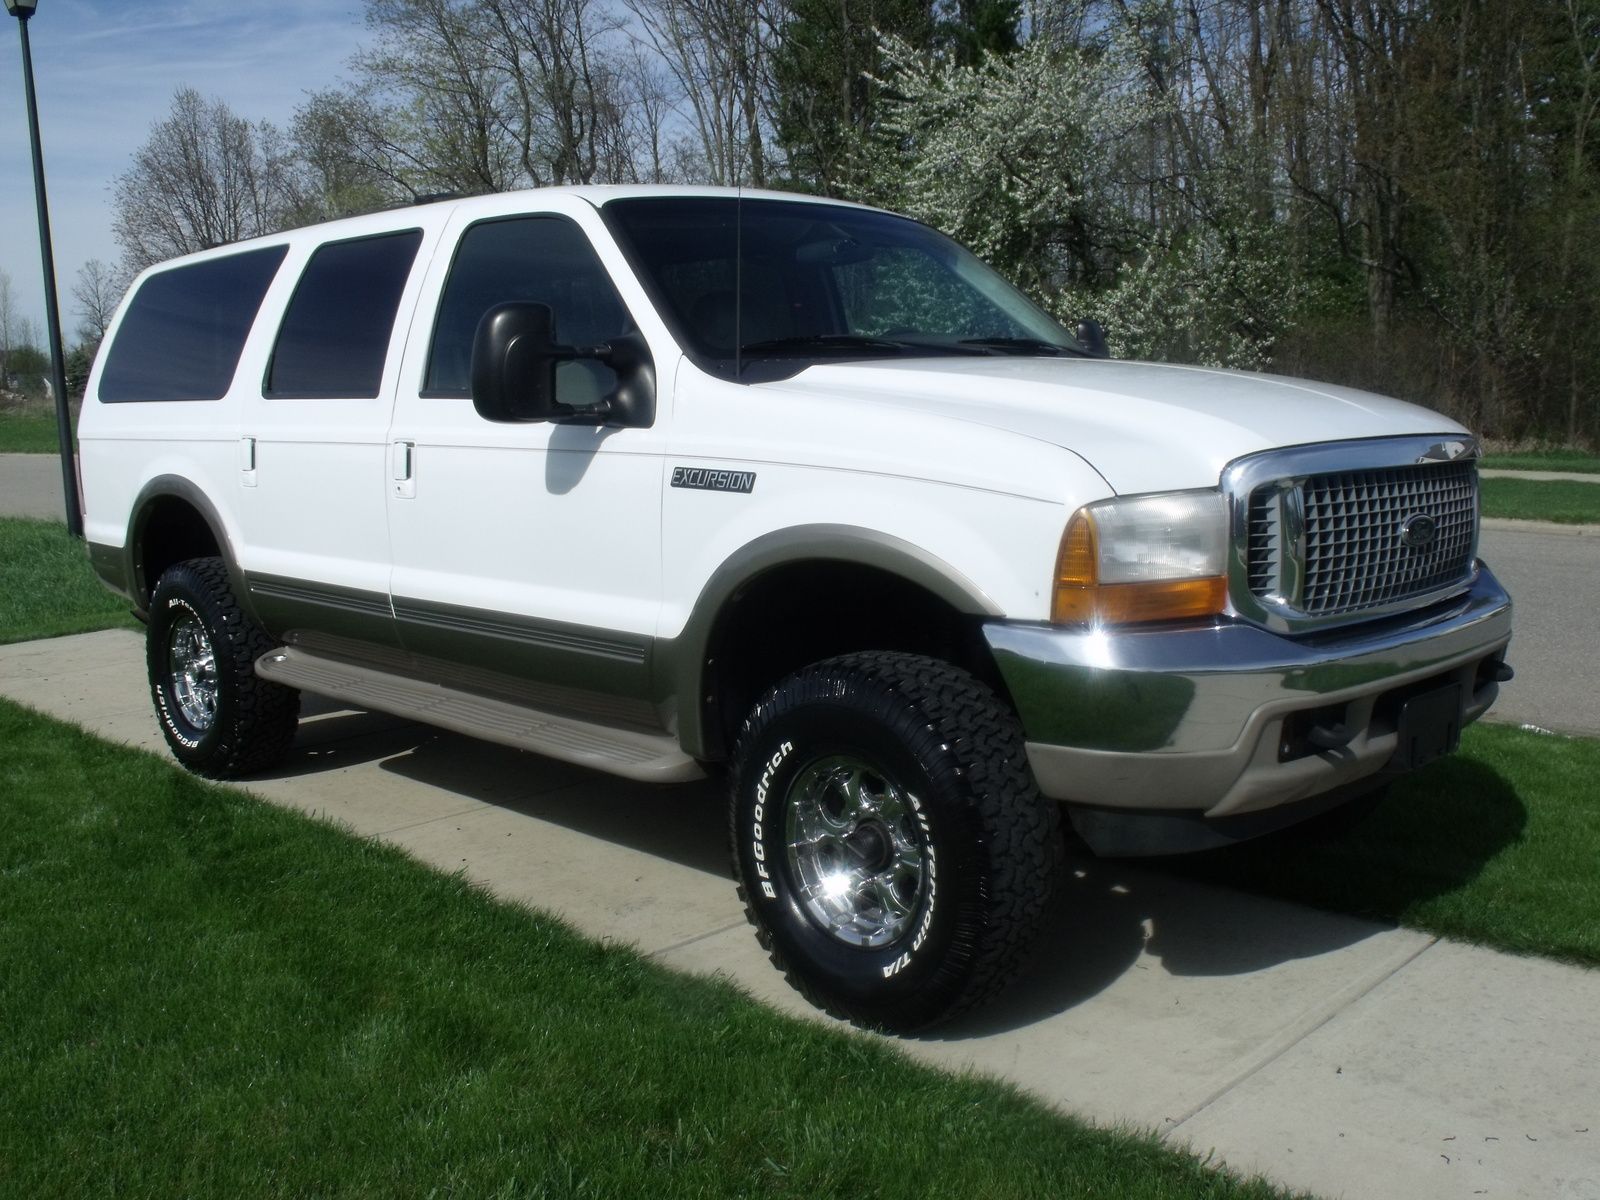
218, 717
892, 850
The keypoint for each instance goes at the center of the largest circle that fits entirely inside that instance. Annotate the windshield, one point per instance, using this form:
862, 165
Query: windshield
766, 292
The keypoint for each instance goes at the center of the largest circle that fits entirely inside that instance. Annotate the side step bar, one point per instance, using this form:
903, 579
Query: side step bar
633, 754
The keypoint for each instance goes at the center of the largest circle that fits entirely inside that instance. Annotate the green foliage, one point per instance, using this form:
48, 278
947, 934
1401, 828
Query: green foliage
1214, 292
1024, 158
826, 66
79, 362
1016, 156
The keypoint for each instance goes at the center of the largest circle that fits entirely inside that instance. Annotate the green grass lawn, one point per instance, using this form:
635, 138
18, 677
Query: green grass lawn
46, 587
1544, 460
1568, 501
1499, 845
28, 431
208, 996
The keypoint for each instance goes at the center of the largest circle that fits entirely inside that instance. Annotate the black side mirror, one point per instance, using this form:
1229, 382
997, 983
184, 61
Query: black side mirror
1092, 337
515, 358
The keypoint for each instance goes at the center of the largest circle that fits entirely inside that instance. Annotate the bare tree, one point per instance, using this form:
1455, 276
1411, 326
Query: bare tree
433, 100
649, 112
558, 57
204, 178
718, 54
9, 320
98, 291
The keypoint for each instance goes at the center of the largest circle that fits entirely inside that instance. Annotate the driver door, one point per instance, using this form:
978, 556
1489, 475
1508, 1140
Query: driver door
525, 548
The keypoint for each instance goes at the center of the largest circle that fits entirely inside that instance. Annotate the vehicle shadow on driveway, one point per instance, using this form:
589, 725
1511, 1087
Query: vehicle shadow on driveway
1294, 895
1225, 913
684, 823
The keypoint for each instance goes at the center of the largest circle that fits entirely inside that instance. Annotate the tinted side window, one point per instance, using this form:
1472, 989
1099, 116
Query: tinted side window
185, 328
335, 333
543, 260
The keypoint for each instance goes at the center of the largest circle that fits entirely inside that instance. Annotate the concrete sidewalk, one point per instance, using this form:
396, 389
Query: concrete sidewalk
1332, 1054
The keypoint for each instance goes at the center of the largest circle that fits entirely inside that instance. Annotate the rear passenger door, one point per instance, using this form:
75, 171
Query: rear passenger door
531, 549
312, 450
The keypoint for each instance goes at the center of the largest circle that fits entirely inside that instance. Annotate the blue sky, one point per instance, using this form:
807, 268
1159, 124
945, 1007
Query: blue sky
106, 71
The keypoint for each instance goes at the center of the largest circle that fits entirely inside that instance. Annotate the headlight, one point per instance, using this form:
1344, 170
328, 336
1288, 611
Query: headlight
1159, 557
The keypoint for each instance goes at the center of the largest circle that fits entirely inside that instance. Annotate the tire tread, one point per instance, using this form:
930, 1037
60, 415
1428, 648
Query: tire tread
267, 713
964, 719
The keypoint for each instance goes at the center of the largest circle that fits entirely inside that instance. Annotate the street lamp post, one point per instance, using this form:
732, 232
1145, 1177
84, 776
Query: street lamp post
22, 10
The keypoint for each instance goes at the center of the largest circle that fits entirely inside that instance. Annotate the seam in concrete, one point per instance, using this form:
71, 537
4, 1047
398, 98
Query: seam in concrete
481, 806
699, 937
1295, 1036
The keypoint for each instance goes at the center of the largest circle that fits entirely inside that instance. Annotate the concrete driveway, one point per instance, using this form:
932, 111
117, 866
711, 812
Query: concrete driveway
1332, 1054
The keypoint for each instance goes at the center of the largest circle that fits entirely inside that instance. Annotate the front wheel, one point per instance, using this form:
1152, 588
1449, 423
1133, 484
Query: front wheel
219, 718
892, 849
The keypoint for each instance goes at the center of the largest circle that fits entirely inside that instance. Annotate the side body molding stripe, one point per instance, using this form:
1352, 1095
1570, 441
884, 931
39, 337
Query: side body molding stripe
551, 652
286, 604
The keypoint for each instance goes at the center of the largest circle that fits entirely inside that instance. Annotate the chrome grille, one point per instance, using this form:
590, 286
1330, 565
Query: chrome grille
1348, 554
1266, 542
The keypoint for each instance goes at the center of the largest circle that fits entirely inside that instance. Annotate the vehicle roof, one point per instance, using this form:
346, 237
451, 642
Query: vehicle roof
492, 204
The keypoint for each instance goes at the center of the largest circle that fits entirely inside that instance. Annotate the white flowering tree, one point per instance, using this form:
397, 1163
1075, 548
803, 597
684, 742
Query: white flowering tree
1042, 162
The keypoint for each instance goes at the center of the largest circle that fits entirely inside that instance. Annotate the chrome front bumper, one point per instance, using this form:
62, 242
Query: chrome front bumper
1207, 720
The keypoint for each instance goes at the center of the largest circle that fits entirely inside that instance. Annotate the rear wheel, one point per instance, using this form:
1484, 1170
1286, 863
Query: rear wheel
892, 849
219, 718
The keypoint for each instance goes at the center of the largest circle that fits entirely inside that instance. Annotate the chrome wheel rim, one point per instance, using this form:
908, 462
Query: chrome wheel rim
857, 858
192, 667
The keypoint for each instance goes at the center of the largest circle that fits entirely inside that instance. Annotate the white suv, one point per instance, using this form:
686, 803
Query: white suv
657, 480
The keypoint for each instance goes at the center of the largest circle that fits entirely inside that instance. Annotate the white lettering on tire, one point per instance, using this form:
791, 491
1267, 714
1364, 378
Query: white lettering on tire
759, 814
161, 692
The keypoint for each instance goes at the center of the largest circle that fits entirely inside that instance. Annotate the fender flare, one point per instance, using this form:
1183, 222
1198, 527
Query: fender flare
680, 664
175, 487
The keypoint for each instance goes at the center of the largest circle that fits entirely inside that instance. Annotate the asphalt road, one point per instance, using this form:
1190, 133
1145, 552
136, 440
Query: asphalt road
30, 486
1553, 577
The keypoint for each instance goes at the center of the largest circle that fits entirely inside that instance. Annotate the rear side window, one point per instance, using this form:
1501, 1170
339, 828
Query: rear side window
185, 328
335, 334
539, 260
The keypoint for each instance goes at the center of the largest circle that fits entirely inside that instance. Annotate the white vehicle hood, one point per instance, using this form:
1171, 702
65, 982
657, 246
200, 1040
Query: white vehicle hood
1143, 426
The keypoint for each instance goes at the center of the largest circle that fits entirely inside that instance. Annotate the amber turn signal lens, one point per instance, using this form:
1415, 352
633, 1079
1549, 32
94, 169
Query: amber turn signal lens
1075, 572
1080, 599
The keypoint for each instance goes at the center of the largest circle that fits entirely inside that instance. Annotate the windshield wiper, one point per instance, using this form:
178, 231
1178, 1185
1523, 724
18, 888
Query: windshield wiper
1010, 345
824, 343
850, 343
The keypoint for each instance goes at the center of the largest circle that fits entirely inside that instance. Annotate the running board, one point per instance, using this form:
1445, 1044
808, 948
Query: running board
631, 753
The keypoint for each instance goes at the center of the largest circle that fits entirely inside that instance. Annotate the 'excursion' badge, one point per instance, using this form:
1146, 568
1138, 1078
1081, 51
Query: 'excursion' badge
713, 481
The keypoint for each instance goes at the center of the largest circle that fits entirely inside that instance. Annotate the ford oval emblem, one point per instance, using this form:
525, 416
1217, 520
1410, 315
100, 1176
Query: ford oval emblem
1418, 531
